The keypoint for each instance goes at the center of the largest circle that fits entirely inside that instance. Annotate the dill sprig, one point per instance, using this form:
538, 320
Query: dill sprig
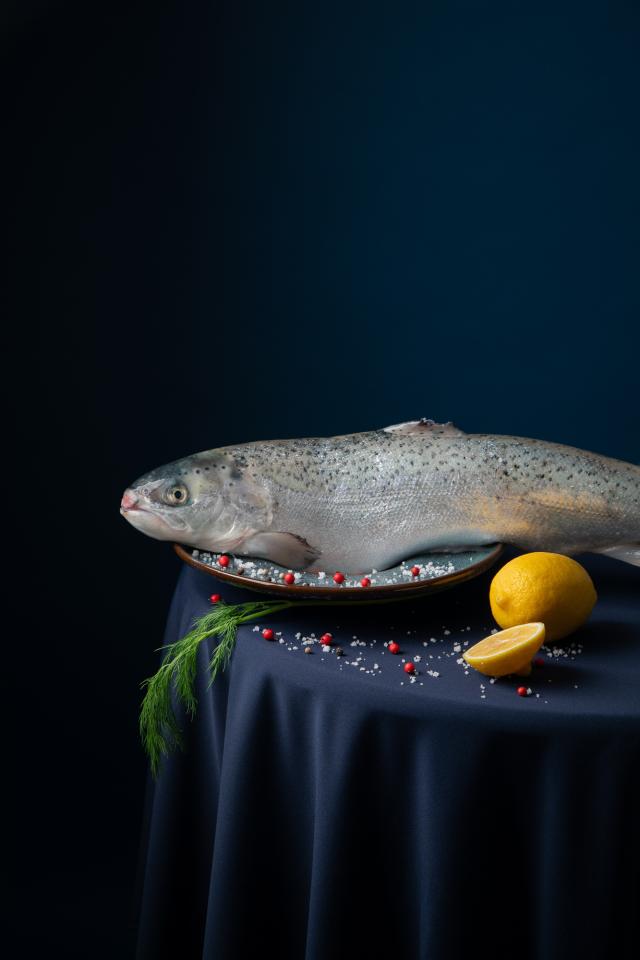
159, 727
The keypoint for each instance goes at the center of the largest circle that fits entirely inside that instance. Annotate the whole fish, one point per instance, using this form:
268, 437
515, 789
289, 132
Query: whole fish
364, 501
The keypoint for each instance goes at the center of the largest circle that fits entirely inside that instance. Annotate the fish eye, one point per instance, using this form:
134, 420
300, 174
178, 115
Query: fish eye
176, 494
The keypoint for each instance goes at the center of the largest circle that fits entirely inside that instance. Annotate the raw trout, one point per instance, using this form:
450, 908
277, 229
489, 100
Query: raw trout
364, 501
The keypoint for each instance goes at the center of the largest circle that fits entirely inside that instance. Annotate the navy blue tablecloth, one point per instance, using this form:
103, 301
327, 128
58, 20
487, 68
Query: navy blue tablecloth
327, 807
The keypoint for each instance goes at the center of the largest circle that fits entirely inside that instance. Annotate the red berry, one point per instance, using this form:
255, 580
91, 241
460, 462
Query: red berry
326, 638
365, 582
224, 560
267, 633
522, 691
415, 571
409, 667
538, 662
338, 577
215, 597
289, 578
393, 647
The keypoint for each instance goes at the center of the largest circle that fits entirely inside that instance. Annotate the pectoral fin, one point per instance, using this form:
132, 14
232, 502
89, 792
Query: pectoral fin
629, 552
425, 428
287, 549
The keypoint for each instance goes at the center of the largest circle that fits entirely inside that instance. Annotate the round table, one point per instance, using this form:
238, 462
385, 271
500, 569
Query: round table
329, 807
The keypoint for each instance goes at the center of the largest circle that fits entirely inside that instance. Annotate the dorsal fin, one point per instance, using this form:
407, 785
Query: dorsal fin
425, 427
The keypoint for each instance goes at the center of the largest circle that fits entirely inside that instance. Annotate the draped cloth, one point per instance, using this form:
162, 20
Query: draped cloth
327, 807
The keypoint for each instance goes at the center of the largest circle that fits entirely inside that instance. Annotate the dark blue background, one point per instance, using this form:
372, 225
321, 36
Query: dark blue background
244, 220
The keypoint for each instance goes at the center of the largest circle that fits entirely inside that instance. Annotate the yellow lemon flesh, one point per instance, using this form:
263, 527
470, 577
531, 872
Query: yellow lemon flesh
508, 651
546, 587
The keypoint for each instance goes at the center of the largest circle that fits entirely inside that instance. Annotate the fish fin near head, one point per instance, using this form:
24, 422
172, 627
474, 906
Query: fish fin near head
425, 427
287, 549
629, 552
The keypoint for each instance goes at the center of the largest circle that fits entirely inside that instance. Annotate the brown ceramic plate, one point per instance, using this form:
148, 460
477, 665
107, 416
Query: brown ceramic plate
437, 571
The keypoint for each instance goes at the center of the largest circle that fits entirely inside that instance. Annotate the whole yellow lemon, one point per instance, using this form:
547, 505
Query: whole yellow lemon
545, 587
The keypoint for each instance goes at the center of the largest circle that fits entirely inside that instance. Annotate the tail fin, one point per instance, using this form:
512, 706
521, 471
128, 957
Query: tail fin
629, 552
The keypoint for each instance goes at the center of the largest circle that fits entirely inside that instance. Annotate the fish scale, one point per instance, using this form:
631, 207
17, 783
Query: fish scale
367, 500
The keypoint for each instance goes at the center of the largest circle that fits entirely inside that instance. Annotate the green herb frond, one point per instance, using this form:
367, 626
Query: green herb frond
159, 728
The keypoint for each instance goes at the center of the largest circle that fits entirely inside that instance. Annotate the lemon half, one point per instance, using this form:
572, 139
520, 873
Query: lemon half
508, 651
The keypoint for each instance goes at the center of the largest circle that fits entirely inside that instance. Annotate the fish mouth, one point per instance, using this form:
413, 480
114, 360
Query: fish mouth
138, 509
127, 511
140, 516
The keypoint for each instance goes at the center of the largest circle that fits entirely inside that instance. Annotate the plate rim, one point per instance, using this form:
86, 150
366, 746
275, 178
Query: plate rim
373, 592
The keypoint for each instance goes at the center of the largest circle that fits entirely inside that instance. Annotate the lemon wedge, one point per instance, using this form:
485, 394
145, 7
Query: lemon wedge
508, 651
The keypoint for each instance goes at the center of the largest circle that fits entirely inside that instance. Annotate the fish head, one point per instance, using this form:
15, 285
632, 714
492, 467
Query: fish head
207, 500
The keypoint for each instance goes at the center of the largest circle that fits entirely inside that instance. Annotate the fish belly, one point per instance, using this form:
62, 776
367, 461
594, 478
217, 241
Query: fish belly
365, 533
